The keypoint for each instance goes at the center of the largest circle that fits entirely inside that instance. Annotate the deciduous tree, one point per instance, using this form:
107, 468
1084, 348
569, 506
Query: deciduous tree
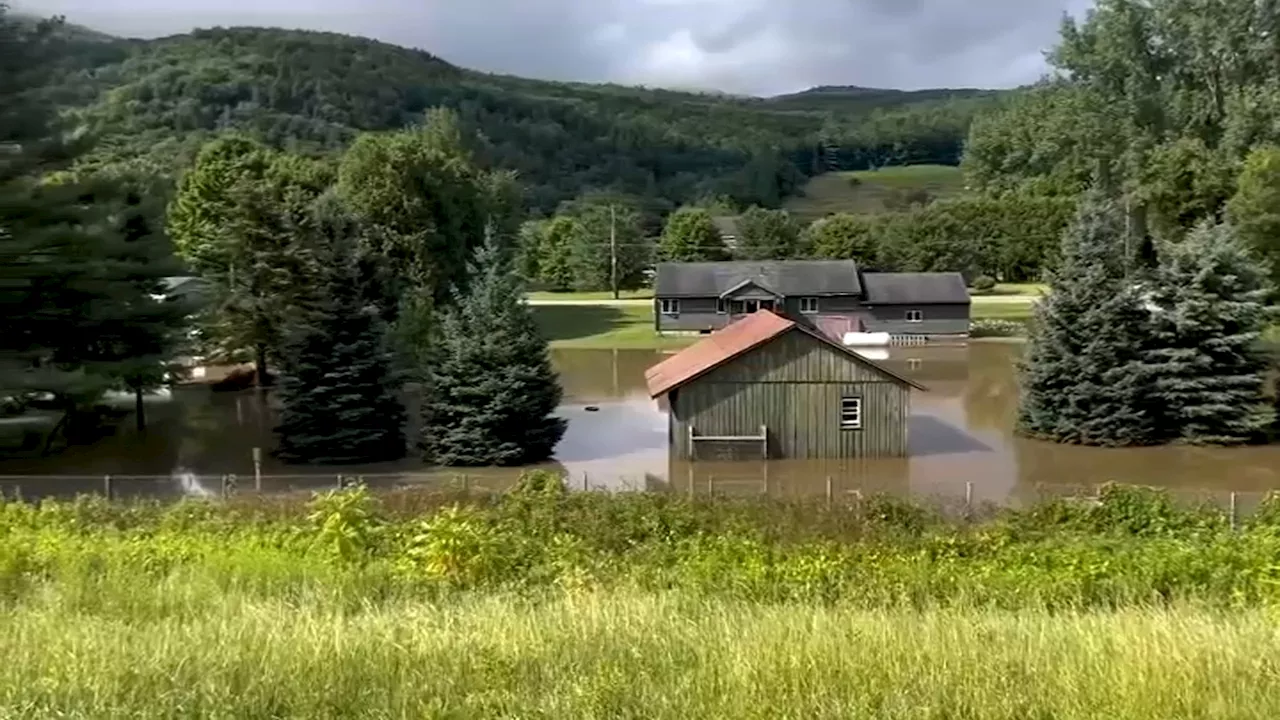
691, 236
767, 235
1255, 208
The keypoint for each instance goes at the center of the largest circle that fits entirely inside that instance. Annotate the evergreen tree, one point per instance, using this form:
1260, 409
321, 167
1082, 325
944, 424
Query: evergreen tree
235, 219
1087, 377
139, 325
491, 393
691, 236
81, 268
340, 399
1209, 313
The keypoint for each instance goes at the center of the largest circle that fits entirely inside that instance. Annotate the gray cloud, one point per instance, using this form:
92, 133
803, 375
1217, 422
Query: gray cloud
745, 46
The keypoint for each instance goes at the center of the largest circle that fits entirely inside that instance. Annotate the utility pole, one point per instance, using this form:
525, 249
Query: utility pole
613, 251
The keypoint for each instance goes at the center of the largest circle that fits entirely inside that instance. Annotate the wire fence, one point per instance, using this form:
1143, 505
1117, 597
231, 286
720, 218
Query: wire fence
965, 497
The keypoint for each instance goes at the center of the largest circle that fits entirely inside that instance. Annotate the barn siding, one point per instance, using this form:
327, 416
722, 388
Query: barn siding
793, 386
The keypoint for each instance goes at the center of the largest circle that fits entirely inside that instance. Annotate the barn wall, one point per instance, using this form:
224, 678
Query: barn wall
793, 386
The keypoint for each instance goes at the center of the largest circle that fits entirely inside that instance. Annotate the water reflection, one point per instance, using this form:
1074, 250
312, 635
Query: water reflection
960, 438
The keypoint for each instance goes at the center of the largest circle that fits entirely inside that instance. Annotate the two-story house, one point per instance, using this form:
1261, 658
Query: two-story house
833, 296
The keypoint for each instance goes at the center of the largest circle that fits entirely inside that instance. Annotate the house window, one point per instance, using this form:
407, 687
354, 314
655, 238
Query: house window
670, 306
809, 305
851, 413
914, 363
722, 306
915, 316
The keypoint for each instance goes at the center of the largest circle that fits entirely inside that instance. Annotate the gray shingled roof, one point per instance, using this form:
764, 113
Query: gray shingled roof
915, 288
789, 277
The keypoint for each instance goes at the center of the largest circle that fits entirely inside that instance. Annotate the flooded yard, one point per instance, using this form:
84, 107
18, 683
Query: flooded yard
961, 441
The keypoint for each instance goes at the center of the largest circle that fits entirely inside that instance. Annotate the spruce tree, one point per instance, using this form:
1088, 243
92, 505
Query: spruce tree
1086, 377
339, 395
1210, 311
490, 393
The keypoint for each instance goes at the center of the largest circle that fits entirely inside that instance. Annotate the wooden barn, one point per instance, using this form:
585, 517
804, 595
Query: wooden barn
769, 387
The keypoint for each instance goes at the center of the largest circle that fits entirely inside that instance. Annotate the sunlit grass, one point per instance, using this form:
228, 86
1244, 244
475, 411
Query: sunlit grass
620, 654
631, 326
834, 193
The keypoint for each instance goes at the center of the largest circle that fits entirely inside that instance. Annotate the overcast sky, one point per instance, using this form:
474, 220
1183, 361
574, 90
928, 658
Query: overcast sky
761, 47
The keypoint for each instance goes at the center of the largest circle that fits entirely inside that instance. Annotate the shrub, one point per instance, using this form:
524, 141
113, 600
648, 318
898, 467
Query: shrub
984, 283
996, 328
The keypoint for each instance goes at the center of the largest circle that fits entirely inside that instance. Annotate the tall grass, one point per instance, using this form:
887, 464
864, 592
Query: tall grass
542, 603
620, 655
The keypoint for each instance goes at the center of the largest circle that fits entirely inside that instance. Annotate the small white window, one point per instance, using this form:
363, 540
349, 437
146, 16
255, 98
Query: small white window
914, 363
670, 306
851, 413
915, 316
809, 305
722, 306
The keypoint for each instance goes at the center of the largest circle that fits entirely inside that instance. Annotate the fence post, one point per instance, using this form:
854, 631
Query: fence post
107, 487
339, 482
1233, 512
257, 469
968, 498
711, 486
466, 485
586, 482
831, 491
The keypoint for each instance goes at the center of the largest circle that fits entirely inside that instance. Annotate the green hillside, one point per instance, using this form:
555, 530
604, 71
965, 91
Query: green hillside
874, 191
157, 101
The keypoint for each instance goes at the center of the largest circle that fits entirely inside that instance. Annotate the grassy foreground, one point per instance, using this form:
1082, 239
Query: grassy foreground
623, 655
545, 604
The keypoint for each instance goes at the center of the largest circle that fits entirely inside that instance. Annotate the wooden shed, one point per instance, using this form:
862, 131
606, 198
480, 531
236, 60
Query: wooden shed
768, 387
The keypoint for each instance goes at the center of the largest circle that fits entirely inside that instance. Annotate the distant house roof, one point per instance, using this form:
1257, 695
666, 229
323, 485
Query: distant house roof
737, 339
788, 277
915, 289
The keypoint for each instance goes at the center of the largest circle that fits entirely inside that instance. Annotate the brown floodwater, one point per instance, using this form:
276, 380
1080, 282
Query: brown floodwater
961, 443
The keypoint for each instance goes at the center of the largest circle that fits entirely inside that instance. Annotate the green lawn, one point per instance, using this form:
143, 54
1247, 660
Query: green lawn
644, 294
631, 326
602, 326
833, 192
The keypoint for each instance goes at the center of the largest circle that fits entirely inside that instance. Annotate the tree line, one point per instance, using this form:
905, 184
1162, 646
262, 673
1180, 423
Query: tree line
1161, 115
1013, 238
389, 268
1171, 105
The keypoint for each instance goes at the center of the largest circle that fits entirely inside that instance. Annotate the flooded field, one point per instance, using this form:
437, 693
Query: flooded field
960, 437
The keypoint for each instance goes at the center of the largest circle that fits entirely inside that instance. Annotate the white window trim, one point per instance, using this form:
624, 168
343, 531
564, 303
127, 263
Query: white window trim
809, 305
915, 316
854, 422
722, 306
669, 306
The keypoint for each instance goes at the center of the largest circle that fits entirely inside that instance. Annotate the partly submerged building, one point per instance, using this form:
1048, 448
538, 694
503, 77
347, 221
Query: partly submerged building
770, 387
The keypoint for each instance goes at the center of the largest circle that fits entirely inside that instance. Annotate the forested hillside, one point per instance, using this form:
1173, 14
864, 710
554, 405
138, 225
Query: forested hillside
159, 101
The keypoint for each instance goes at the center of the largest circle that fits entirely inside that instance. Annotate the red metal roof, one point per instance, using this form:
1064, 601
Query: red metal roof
731, 341
720, 346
